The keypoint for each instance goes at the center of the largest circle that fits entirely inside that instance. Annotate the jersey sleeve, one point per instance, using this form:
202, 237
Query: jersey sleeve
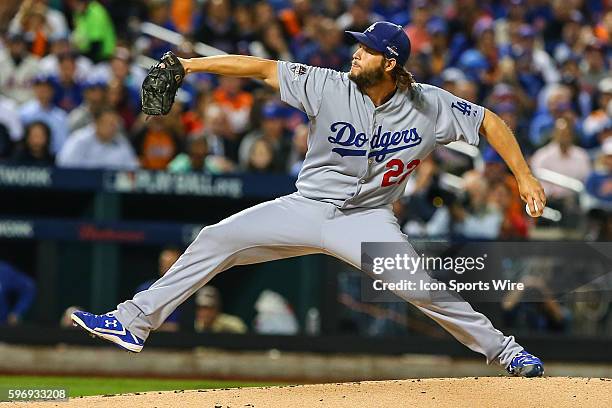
301, 86
457, 119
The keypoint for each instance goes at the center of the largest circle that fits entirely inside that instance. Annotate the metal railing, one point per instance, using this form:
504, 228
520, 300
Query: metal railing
177, 39
471, 151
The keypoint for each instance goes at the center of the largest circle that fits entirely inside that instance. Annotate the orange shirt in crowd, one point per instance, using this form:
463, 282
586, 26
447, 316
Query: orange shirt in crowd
39, 45
237, 107
515, 222
158, 148
181, 13
238, 101
290, 21
602, 33
419, 38
192, 122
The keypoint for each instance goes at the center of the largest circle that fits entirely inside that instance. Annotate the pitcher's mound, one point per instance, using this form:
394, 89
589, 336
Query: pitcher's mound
436, 392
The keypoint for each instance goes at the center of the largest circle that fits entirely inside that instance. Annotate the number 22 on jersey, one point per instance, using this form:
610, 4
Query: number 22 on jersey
398, 169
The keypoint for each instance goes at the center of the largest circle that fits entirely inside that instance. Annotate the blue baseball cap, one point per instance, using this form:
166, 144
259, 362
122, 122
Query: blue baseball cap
505, 107
386, 38
42, 79
272, 110
91, 83
437, 26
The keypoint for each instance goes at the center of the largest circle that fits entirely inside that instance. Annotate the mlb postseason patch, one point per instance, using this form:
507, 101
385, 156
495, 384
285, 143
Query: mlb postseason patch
298, 69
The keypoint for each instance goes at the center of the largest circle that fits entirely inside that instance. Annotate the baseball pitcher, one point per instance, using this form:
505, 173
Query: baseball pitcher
370, 128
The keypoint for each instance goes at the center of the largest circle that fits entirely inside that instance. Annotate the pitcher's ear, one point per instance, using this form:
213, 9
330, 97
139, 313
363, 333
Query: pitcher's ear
390, 63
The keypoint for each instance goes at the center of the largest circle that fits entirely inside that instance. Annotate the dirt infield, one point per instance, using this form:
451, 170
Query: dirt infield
437, 392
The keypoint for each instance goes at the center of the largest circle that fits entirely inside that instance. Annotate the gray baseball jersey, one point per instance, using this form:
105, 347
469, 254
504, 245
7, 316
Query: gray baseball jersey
360, 155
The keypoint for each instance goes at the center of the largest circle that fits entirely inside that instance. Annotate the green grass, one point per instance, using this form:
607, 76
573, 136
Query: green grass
102, 385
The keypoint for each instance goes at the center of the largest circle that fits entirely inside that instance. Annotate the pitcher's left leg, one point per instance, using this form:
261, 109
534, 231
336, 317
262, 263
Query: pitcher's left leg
343, 236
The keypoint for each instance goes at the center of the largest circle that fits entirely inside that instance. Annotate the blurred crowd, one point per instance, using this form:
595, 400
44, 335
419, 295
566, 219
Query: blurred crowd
70, 75
273, 313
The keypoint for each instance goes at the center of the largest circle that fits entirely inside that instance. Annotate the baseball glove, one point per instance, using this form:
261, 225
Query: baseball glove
160, 86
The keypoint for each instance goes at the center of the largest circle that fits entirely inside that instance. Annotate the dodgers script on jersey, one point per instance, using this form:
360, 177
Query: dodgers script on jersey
360, 155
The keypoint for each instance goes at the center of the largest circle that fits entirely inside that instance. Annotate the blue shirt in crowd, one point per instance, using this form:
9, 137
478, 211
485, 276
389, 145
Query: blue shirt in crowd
16, 286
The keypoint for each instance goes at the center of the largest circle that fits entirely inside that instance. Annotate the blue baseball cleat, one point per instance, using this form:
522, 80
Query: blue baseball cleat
107, 327
526, 365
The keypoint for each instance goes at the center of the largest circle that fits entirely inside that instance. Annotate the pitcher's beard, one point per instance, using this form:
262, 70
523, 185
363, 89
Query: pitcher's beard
368, 79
